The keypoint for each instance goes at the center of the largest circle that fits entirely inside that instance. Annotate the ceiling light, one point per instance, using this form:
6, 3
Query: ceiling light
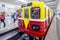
17, 1
22, 1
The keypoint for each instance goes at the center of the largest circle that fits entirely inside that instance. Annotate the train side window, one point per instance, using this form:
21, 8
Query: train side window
45, 12
35, 12
26, 14
20, 12
48, 16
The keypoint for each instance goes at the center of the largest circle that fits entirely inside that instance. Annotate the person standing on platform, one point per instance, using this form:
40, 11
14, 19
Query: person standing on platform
2, 18
15, 16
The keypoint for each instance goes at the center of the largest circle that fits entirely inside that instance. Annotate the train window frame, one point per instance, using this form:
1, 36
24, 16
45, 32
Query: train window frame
27, 13
20, 14
31, 12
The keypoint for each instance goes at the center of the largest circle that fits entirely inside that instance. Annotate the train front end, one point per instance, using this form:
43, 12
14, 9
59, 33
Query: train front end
33, 19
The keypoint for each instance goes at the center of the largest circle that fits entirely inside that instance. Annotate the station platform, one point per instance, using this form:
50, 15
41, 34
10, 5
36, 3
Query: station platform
51, 35
9, 25
52, 32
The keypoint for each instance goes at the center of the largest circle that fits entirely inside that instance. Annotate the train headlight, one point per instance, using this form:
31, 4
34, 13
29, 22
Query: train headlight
35, 27
19, 24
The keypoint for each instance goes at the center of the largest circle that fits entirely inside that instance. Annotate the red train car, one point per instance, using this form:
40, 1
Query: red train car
35, 19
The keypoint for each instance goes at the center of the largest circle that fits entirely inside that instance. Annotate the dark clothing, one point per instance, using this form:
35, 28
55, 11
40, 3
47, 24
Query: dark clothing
14, 20
13, 15
3, 21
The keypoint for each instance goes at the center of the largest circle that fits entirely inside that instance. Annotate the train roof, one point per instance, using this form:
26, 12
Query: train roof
30, 4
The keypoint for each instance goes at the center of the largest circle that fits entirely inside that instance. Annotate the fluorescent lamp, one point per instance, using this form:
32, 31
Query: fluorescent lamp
17, 1
22, 1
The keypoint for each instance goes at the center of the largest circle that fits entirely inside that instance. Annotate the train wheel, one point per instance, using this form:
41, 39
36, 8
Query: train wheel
25, 37
29, 37
37, 38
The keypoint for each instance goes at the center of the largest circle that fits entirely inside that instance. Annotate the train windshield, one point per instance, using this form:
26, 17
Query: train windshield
35, 13
29, 4
26, 5
26, 14
20, 12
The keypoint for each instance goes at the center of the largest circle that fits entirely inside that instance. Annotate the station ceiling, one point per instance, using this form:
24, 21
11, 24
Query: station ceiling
15, 2
51, 3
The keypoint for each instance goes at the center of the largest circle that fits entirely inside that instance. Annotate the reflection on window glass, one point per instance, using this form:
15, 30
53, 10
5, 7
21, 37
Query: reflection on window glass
35, 13
29, 4
20, 12
24, 5
26, 15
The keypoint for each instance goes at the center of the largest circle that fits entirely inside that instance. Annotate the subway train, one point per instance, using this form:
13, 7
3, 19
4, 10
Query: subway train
35, 19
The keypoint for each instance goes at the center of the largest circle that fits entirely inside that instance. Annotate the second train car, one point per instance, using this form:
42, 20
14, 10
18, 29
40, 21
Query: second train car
35, 19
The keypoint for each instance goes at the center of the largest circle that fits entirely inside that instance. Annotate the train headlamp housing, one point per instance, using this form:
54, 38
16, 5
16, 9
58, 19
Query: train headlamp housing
35, 27
19, 24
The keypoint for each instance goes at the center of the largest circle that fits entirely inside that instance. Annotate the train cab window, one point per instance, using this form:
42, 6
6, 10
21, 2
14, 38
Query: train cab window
20, 12
26, 14
35, 12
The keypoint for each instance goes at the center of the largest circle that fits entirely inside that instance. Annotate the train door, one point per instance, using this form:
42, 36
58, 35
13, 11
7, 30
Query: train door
48, 16
52, 15
46, 21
